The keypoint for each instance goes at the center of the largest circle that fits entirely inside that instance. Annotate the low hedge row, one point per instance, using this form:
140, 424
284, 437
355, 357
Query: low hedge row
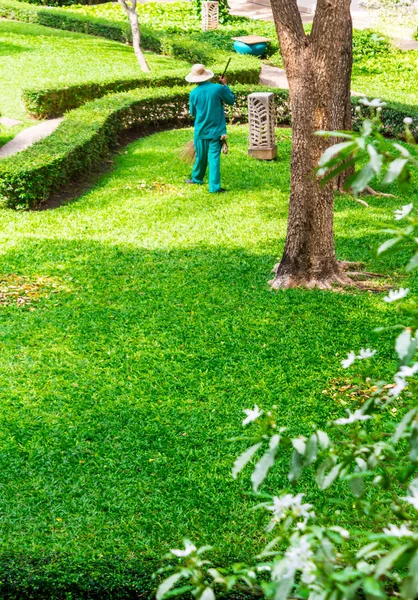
393, 115
62, 19
54, 101
48, 103
89, 133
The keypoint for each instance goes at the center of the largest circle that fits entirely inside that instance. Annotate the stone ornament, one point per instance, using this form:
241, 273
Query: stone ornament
262, 122
210, 15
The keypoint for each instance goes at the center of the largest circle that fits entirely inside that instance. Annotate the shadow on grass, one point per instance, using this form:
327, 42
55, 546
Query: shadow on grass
8, 49
119, 397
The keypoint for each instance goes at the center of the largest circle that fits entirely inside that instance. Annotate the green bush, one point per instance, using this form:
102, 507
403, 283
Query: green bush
89, 133
65, 2
393, 115
48, 103
66, 20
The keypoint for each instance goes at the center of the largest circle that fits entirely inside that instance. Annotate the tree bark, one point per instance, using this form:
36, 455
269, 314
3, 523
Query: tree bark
136, 35
318, 68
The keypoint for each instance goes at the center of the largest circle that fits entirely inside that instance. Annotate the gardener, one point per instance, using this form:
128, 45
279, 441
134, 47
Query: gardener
207, 107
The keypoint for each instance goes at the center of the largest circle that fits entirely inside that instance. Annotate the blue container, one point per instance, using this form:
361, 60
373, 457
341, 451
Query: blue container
254, 49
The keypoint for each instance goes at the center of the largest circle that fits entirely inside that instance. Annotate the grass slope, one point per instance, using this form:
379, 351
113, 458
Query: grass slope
33, 55
119, 393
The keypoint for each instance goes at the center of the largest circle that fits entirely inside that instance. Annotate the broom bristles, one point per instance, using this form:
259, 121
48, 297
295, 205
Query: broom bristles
188, 153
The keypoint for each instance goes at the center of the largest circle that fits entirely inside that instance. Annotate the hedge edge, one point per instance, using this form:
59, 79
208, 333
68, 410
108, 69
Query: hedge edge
48, 103
88, 134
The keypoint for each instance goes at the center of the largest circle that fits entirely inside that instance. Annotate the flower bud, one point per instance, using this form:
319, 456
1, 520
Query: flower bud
407, 121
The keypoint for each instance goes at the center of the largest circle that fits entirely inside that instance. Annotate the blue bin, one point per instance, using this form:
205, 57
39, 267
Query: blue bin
258, 49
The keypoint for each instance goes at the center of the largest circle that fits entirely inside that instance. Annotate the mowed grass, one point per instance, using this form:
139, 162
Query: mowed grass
120, 391
37, 56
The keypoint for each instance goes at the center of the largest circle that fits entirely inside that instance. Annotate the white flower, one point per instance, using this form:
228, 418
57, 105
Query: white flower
400, 379
343, 532
299, 559
408, 121
189, 548
396, 295
376, 103
403, 212
288, 503
366, 353
413, 494
352, 418
252, 415
398, 532
398, 388
349, 360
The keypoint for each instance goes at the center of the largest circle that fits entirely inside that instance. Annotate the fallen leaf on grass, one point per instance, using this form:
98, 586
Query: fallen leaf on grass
21, 290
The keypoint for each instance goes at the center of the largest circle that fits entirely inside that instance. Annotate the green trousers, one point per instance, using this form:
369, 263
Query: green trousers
208, 151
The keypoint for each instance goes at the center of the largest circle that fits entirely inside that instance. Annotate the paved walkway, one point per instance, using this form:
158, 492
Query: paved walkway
362, 18
29, 136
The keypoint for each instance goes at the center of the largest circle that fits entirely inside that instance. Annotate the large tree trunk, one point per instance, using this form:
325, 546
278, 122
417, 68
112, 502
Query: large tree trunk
319, 73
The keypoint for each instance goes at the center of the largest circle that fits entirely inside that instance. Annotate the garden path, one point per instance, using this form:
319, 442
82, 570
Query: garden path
29, 136
362, 19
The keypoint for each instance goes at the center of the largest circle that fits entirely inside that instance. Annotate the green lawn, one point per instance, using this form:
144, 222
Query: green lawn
33, 55
120, 391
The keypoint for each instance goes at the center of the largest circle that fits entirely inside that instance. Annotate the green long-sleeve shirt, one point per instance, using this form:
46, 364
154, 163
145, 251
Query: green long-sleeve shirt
206, 105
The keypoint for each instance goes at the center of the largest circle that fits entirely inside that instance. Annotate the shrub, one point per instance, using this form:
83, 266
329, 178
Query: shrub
393, 115
54, 101
88, 134
62, 19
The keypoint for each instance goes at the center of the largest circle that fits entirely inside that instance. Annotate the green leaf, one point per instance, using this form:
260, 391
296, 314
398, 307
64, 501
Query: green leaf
376, 159
401, 428
299, 444
373, 589
413, 263
295, 467
387, 562
323, 439
262, 468
362, 179
283, 584
207, 594
244, 459
357, 486
388, 244
311, 450
332, 151
167, 584
325, 480
395, 169
413, 444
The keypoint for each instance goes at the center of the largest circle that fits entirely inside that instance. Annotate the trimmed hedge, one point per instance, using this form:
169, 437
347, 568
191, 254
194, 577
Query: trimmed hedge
175, 45
54, 101
62, 19
48, 103
89, 133
393, 115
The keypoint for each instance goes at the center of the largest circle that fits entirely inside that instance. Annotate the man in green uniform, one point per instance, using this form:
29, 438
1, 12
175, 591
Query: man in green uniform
207, 107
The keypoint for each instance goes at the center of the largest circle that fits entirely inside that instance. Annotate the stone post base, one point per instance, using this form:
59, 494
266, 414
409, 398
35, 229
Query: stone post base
263, 153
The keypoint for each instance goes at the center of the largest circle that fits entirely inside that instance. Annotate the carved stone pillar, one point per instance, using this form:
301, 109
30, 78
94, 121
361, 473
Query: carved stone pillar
262, 122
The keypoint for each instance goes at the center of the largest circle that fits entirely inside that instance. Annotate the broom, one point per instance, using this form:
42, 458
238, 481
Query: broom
188, 152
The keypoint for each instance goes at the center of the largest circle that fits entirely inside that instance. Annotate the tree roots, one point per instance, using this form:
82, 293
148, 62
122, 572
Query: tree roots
347, 275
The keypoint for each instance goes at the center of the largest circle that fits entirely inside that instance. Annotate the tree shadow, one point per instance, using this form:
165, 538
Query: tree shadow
119, 396
8, 49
